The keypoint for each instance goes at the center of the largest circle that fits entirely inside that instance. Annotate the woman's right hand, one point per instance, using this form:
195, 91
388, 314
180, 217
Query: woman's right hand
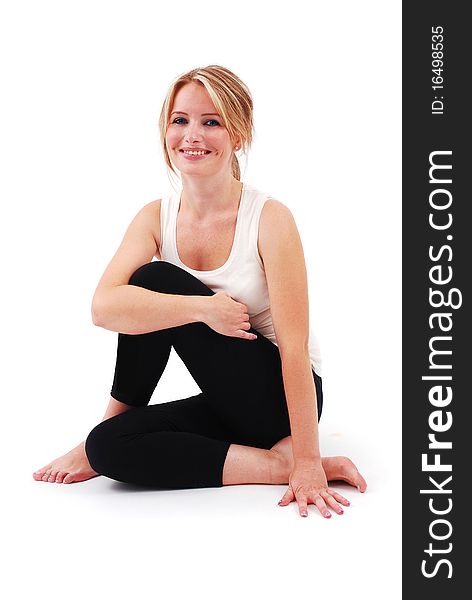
228, 317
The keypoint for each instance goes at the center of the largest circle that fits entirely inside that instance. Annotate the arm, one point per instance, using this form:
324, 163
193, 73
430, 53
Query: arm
300, 392
135, 310
131, 309
282, 254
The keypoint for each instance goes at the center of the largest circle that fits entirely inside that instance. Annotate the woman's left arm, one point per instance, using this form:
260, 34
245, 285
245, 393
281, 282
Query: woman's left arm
281, 251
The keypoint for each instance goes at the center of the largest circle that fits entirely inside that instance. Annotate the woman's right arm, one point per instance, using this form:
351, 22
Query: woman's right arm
131, 309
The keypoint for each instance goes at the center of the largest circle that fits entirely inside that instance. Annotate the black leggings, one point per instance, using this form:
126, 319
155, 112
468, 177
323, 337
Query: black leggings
183, 443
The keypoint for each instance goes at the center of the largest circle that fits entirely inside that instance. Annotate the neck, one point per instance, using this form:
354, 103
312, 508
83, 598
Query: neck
204, 198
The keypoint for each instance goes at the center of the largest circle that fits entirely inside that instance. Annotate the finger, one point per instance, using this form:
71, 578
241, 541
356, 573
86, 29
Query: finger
287, 498
248, 336
331, 502
338, 497
302, 505
320, 504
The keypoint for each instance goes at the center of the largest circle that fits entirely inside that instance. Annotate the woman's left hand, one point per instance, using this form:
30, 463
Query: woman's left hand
308, 484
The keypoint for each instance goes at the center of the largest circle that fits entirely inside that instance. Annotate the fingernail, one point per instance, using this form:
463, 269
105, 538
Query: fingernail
304, 514
279, 502
341, 511
328, 515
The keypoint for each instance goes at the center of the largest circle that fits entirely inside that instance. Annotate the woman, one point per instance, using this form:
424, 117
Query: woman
226, 252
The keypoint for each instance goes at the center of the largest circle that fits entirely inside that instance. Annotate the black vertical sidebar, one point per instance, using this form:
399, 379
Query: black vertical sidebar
437, 269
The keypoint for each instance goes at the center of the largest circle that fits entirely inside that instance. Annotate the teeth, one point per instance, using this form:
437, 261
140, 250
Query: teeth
195, 152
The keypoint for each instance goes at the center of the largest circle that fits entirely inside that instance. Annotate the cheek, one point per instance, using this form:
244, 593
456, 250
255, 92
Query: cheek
221, 135
172, 137
219, 139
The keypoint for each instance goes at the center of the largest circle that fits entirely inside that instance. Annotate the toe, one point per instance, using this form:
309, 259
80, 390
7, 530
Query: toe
69, 478
353, 476
349, 471
361, 483
45, 477
52, 475
40, 472
60, 476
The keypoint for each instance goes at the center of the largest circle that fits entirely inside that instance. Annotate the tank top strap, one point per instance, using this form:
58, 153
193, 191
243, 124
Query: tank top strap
251, 217
167, 223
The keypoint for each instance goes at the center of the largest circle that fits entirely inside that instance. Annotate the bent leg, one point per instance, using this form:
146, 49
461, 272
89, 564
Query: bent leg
241, 379
172, 445
179, 444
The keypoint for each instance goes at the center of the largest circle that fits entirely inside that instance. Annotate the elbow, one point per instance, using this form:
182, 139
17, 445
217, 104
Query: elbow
98, 312
295, 349
96, 318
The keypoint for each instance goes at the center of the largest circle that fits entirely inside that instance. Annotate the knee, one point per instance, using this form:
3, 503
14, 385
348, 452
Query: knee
165, 277
152, 274
101, 448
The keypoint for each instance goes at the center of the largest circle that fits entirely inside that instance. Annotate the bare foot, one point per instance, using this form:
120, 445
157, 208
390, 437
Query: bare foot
336, 468
72, 467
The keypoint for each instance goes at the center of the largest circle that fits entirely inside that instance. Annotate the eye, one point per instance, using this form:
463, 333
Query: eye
180, 120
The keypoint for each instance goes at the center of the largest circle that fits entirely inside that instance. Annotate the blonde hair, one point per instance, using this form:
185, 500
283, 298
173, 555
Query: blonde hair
231, 98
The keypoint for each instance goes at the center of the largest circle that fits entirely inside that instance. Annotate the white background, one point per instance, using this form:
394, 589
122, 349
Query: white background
83, 84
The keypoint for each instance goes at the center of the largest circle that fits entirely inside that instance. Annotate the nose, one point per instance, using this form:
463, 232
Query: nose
193, 133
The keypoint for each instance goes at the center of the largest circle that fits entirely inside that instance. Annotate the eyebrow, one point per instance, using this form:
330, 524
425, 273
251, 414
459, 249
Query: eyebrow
180, 112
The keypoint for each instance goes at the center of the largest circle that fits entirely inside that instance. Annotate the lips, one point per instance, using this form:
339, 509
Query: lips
193, 156
192, 150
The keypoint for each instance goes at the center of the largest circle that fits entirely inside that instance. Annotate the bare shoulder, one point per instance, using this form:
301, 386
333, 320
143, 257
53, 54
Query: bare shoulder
277, 227
274, 210
152, 213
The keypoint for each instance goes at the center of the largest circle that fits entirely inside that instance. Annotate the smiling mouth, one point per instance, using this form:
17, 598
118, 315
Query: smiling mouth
195, 152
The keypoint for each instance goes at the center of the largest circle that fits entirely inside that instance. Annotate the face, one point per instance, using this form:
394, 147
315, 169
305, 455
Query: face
194, 124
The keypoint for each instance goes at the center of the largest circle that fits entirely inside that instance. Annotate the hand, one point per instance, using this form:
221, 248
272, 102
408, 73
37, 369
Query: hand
228, 317
308, 483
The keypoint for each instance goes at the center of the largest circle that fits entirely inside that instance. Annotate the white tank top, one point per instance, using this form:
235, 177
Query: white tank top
242, 276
